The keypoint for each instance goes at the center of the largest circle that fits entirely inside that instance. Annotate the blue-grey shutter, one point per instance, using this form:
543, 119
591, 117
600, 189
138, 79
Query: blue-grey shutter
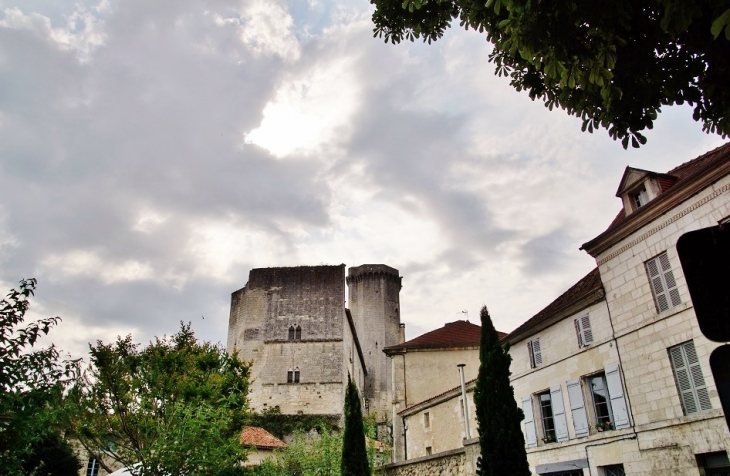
690, 381
616, 395
530, 430
536, 352
585, 329
577, 408
561, 423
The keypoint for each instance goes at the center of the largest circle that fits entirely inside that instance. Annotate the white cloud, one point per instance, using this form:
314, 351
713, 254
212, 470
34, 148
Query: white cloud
89, 264
83, 31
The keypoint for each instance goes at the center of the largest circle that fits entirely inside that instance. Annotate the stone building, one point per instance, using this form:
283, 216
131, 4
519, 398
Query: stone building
293, 325
613, 376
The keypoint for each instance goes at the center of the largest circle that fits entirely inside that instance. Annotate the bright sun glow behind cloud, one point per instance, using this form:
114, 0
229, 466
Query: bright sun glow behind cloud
308, 111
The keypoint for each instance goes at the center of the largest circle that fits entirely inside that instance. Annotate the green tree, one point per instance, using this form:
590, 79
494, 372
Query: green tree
51, 456
612, 63
354, 453
502, 445
176, 406
31, 381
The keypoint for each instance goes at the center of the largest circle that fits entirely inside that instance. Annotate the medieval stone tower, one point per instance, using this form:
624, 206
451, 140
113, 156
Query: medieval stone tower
374, 299
293, 325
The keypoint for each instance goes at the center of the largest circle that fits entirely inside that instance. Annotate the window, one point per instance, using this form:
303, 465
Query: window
429, 451
295, 333
640, 198
583, 330
533, 348
92, 468
613, 470
598, 389
546, 414
427, 420
292, 376
688, 377
663, 286
713, 464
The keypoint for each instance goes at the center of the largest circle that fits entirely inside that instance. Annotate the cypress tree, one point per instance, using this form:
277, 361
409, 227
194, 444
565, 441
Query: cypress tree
354, 453
498, 416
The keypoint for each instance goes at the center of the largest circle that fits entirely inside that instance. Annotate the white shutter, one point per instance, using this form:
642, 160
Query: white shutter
530, 431
689, 378
577, 408
583, 329
616, 395
578, 333
663, 284
671, 284
537, 354
561, 424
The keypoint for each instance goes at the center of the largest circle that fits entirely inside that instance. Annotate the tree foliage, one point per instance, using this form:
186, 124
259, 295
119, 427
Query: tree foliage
31, 381
502, 445
354, 452
309, 454
176, 406
281, 425
612, 63
51, 456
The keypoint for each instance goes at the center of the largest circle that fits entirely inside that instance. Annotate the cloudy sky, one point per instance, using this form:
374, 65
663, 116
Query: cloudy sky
153, 152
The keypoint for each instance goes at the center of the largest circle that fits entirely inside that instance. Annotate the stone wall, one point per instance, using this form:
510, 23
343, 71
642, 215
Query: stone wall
457, 462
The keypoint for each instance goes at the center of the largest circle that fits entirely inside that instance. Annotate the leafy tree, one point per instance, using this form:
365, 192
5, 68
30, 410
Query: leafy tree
176, 406
51, 456
500, 437
31, 381
309, 454
612, 63
354, 453
281, 425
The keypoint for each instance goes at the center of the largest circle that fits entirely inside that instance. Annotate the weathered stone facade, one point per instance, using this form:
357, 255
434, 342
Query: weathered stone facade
293, 325
457, 462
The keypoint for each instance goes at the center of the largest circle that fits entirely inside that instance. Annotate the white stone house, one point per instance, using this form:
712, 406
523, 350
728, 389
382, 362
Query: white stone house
613, 376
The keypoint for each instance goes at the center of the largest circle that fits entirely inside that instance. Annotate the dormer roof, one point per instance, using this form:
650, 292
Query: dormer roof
633, 177
675, 186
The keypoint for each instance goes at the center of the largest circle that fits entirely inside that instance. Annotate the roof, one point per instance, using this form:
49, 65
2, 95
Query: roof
437, 398
583, 293
453, 334
684, 173
260, 438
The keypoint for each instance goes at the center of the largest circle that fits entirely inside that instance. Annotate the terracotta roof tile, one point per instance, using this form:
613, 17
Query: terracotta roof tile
588, 284
453, 334
260, 438
685, 172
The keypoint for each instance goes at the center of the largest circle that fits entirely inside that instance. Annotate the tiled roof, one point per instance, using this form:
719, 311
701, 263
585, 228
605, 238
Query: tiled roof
590, 283
467, 386
453, 334
685, 172
260, 438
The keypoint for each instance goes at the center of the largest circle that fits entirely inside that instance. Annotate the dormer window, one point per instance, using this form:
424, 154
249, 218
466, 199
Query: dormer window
640, 198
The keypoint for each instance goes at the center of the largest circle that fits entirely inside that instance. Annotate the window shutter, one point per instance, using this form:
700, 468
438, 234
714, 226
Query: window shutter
532, 354
657, 285
577, 408
585, 324
561, 424
537, 354
578, 333
689, 378
671, 284
663, 284
530, 431
616, 395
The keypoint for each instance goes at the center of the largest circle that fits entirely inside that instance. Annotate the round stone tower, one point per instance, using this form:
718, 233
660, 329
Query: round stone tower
374, 302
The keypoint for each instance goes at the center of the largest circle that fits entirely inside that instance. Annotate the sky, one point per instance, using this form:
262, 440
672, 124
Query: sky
152, 153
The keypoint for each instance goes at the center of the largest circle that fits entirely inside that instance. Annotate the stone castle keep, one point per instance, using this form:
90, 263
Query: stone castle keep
293, 324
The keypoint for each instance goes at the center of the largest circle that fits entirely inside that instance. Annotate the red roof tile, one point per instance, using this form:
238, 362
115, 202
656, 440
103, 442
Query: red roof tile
685, 172
590, 283
453, 334
260, 438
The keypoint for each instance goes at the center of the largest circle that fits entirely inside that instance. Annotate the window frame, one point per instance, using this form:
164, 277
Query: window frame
92, 467
583, 330
547, 422
596, 418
